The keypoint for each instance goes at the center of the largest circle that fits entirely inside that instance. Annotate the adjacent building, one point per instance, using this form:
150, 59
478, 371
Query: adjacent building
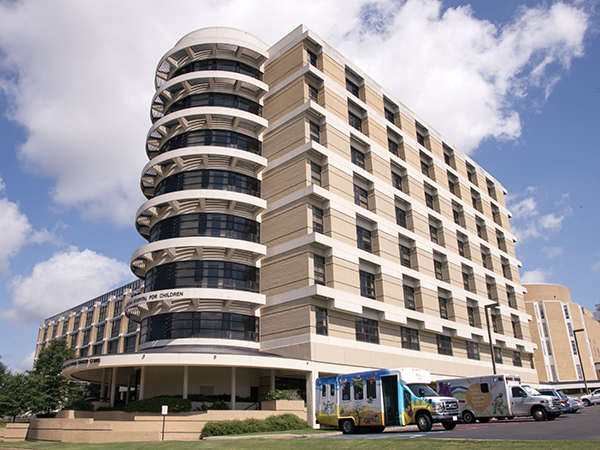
566, 335
301, 221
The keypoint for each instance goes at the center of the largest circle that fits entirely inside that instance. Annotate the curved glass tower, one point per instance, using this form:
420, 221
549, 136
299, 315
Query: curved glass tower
201, 266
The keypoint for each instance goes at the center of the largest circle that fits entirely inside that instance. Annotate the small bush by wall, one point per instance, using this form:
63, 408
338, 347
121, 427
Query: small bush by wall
285, 394
154, 405
80, 405
283, 422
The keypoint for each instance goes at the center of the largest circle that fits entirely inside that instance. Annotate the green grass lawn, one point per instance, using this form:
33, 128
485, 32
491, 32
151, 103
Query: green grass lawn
321, 444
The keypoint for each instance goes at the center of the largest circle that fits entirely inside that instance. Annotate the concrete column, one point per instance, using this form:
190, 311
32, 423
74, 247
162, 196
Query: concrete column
311, 379
102, 383
142, 382
186, 371
113, 386
272, 379
233, 384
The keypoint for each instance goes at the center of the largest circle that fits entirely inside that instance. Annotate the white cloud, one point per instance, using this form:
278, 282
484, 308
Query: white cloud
82, 92
596, 267
2, 185
15, 230
552, 222
552, 252
535, 276
26, 362
63, 281
525, 208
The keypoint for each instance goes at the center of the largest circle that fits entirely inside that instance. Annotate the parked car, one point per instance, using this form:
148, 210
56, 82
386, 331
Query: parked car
564, 401
591, 399
576, 403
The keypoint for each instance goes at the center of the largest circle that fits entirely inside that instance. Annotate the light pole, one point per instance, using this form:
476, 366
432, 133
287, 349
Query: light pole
487, 321
587, 391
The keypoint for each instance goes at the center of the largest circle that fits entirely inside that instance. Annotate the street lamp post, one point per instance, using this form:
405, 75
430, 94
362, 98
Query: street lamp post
587, 391
487, 321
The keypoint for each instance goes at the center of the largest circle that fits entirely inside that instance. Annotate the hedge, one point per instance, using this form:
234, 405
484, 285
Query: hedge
282, 422
154, 405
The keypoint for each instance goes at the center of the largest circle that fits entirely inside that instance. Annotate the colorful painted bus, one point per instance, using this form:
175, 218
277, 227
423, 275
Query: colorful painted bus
382, 398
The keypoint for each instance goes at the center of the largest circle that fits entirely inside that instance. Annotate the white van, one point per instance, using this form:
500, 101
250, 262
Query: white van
499, 396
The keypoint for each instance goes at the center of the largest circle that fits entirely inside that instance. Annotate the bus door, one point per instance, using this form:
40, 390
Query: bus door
390, 400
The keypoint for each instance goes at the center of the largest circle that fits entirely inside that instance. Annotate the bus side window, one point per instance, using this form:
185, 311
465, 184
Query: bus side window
371, 388
332, 390
324, 390
346, 392
485, 388
358, 392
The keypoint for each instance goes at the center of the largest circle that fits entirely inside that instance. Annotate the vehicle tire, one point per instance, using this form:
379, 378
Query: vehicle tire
449, 425
484, 419
347, 426
424, 423
510, 417
539, 414
586, 402
468, 417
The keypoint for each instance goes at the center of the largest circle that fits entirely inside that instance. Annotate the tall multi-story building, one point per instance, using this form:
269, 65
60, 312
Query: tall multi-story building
302, 221
566, 335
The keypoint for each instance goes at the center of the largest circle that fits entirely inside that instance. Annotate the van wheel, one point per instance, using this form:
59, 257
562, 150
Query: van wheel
586, 402
347, 426
449, 425
424, 423
484, 419
468, 417
539, 414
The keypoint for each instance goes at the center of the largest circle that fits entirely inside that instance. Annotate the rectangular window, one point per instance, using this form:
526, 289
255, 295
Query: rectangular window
393, 147
405, 256
439, 269
421, 139
100, 333
471, 174
506, 269
96, 350
361, 197
319, 263
466, 281
480, 229
566, 309
443, 304
409, 298
429, 200
410, 338
472, 350
132, 326
367, 284
352, 87
425, 168
315, 174
317, 214
461, 248
115, 328
515, 327
512, 299
471, 315
86, 337
498, 355
88, 318
311, 58
113, 347
452, 186
367, 330
495, 323
397, 181
389, 115
130, 344
516, 357
363, 239
457, 216
313, 93
76, 323
444, 345
315, 132
117, 308
484, 260
321, 315
401, 217
490, 290
433, 234
102, 314
574, 347
358, 157
355, 121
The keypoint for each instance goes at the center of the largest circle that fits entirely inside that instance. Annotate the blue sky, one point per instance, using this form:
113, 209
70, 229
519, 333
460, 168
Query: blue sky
515, 84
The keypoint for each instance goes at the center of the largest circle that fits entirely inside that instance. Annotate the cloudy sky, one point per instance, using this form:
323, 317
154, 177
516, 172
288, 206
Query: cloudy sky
514, 83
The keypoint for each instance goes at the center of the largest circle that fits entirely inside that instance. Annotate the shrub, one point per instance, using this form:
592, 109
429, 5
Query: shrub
154, 405
286, 394
273, 423
80, 405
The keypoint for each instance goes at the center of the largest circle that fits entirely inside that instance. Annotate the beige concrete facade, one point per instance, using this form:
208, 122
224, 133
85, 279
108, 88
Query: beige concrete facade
560, 329
373, 227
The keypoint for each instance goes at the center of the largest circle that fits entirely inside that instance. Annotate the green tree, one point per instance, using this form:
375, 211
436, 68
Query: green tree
53, 387
19, 393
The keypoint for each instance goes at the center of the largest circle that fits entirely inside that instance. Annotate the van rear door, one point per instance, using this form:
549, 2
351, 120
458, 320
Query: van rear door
390, 400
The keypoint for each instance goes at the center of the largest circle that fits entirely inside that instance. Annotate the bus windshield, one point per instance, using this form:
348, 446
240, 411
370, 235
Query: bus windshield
422, 390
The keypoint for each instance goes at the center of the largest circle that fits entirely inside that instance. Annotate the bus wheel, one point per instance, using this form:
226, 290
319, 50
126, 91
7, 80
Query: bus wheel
347, 426
468, 417
424, 423
449, 425
539, 414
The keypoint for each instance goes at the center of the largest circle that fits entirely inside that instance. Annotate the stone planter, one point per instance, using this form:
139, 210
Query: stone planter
282, 405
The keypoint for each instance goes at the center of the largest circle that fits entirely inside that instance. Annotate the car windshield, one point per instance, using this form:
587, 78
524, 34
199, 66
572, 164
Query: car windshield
530, 390
427, 391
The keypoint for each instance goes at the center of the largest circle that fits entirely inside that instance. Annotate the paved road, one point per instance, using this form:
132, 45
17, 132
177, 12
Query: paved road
582, 426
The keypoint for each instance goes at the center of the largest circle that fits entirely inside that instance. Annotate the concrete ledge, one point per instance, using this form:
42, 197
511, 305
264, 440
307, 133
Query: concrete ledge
15, 432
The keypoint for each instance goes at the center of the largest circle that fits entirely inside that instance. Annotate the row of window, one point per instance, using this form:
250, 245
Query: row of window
223, 180
367, 330
216, 99
217, 138
219, 64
